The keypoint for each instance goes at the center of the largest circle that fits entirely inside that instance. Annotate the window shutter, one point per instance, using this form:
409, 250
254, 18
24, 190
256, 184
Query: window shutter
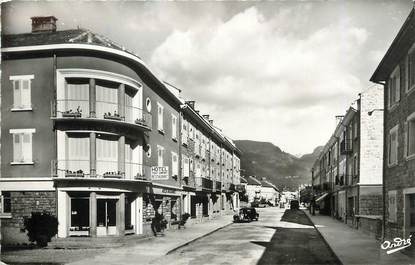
17, 148
405, 138
27, 147
406, 72
16, 94
398, 85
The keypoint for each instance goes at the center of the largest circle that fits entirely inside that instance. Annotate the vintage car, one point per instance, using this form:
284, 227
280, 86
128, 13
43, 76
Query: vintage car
246, 214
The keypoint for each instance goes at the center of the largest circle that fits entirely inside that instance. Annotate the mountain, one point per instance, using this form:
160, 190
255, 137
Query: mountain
264, 159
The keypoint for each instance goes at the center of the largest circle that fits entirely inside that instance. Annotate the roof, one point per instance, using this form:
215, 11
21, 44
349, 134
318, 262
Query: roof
397, 50
267, 184
243, 180
80, 35
251, 180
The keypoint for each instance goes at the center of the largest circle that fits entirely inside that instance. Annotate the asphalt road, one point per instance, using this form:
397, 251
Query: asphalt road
277, 238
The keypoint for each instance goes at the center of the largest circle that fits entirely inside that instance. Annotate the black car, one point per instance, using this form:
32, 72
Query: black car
246, 214
294, 205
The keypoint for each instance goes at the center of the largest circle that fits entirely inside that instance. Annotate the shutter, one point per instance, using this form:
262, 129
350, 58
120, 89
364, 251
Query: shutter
405, 139
406, 72
17, 148
398, 85
16, 94
27, 147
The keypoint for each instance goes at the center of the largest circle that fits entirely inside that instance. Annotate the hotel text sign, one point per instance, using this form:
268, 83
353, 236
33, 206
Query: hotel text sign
159, 173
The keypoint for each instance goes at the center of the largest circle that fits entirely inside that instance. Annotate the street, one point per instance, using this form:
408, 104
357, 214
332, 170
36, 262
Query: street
277, 238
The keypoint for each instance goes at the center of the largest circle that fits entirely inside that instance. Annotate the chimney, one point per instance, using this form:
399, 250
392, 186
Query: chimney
43, 24
211, 122
191, 104
206, 116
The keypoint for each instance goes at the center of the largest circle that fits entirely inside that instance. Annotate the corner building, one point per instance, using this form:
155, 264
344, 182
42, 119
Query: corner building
84, 125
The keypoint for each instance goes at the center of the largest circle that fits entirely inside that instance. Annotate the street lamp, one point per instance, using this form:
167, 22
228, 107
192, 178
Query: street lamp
373, 110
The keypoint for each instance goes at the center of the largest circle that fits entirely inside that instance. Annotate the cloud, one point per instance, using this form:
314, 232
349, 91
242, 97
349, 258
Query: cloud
248, 68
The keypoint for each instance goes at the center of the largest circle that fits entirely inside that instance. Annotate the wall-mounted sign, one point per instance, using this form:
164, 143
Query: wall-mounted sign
159, 173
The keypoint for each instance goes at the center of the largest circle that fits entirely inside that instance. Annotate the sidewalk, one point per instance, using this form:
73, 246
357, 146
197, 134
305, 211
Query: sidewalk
148, 251
352, 246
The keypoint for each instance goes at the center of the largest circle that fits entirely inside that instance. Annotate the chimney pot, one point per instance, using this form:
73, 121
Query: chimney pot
43, 24
211, 122
206, 116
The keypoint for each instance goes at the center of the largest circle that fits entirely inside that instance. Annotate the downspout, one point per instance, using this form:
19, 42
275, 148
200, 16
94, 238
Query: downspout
384, 162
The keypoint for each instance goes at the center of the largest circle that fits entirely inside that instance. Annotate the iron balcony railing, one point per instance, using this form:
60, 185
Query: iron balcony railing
346, 146
218, 185
204, 183
68, 108
78, 168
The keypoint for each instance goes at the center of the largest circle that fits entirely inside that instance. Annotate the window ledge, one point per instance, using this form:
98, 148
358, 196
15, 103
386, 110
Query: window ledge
174, 139
392, 165
5, 215
21, 109
161, 131
410, 157
410, 90
393, 107
22, 163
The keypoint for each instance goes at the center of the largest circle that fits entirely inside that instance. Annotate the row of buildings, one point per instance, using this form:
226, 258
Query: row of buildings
90, 134
365, 176
259, 190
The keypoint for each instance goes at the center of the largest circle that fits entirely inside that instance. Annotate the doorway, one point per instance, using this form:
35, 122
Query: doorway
410, 214
106, 217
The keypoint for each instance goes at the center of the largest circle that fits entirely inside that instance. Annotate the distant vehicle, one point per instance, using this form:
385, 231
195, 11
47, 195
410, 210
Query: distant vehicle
246, 214
294, 205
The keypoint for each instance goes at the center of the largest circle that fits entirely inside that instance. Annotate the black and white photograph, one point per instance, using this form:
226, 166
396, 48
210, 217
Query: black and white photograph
207, 132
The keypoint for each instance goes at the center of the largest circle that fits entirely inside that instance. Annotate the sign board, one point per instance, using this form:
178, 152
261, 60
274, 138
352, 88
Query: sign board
160, 173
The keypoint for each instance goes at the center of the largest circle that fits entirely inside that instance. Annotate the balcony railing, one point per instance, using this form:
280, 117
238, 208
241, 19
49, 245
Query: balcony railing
204, 184
104, 169
346, 146
218, 185
79, 109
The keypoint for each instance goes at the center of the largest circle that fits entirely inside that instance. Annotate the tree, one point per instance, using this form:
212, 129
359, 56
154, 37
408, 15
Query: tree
41, 227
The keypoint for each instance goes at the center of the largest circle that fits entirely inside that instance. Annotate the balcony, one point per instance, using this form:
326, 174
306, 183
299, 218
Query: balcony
76, 114
204, 184
346, 146
218, 185
81, 169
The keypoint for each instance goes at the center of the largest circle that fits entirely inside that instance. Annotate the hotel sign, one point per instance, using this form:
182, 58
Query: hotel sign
159, 173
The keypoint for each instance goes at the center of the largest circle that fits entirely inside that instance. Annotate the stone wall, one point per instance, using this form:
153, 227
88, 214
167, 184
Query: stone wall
23, 203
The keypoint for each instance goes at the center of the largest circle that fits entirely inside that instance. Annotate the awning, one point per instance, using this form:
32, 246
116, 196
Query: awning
322, 197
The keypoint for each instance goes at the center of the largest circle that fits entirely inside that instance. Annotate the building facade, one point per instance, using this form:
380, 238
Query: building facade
396, 74
347, 176
92, 136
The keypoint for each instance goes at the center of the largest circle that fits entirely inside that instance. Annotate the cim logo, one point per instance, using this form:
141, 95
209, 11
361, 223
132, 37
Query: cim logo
396, 245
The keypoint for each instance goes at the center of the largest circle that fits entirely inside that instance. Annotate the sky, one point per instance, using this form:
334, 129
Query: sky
274, 71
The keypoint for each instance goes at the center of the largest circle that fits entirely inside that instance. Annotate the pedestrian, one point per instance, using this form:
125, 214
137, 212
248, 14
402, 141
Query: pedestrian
313, 206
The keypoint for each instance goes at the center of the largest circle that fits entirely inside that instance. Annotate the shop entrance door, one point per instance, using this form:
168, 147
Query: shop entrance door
410, 214
106, 217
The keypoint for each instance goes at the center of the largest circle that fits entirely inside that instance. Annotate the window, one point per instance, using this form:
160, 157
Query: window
173, 127
186, 166
191, 131
160, 155
174, 164
148, 152
22, 145
394, 87
184, 132
393, 146
410, 136
355, 166
148, 104
410, 71
22, 92
6, 202
392, 210
160, 110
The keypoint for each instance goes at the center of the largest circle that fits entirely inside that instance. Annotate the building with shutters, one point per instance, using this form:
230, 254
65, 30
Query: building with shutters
92, 136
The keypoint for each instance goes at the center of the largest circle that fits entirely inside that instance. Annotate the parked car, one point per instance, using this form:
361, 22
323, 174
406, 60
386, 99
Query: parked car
246, 214
294, 205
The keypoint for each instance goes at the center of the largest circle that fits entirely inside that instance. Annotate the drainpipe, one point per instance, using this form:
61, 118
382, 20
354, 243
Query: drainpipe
384, 162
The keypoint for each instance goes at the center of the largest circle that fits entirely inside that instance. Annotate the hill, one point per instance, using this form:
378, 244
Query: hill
264, 159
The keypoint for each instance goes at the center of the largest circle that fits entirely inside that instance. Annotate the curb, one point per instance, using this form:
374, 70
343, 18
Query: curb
197, 238
324, 239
